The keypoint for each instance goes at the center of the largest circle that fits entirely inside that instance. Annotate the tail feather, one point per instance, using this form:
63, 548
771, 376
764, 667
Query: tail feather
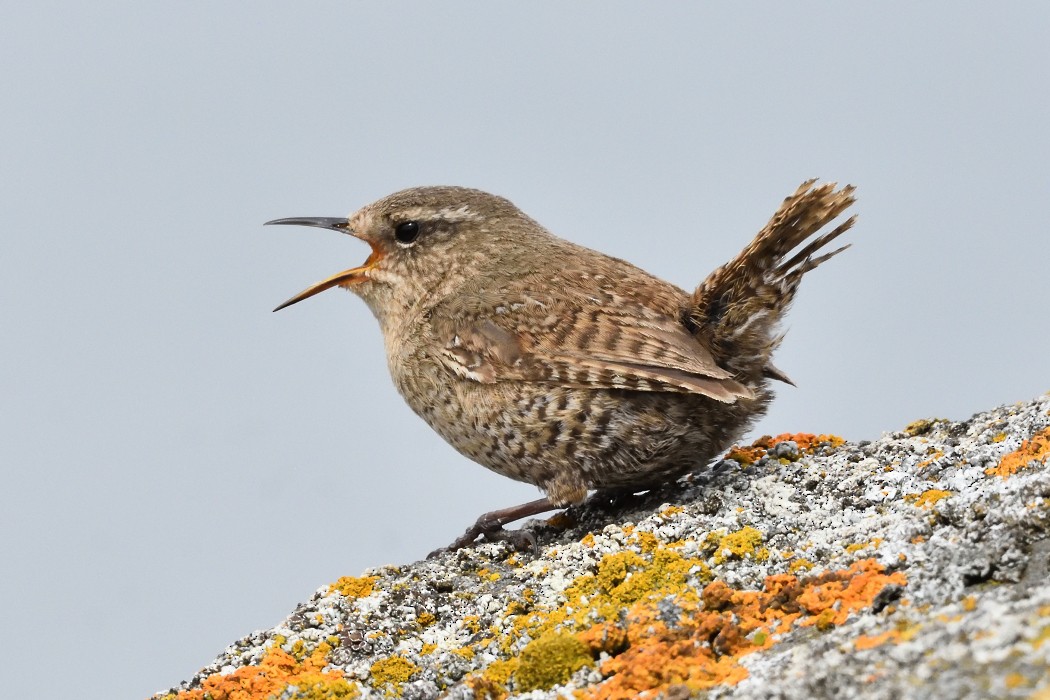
738, 307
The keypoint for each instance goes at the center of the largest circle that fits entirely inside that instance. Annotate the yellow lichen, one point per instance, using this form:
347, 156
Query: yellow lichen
550, 661
1014, 680
354, 587
740, 544
926, 499
428, 648
500, 671
1043, 694
488, 575
491, 684
922, 426
1042, 638
392, 671
426, 618
647, 542
484, 689
515, 607
464, 652
627, 577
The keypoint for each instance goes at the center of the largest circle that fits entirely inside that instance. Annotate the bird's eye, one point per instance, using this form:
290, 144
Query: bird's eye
407, 232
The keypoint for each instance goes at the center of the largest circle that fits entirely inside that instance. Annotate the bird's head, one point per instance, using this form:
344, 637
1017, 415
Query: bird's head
424, 241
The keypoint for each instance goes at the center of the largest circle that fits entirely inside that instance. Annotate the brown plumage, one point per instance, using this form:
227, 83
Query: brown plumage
556, 365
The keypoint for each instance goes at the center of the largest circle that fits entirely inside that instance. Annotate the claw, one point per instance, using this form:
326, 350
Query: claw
518, 539
491, 526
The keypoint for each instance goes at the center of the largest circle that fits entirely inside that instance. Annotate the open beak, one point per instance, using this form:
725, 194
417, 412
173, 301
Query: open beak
350, 276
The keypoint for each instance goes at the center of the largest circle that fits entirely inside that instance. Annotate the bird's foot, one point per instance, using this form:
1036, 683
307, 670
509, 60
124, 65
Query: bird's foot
491, 526
520, 540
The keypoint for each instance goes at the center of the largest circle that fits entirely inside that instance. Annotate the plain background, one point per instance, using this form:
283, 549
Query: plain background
180, 466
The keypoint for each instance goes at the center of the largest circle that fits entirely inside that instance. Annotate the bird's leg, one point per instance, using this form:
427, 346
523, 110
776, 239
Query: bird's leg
491, 526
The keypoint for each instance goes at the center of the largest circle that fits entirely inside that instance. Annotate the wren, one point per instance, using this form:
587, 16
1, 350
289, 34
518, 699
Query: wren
556, 365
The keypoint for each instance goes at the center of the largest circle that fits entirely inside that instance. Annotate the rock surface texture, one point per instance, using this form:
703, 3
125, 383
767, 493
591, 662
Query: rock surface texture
802, 566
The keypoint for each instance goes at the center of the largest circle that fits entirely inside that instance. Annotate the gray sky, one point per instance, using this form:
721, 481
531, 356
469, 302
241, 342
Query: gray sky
181, 466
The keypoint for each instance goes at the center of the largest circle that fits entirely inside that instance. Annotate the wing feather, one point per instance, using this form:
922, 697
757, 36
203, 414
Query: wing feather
604, 341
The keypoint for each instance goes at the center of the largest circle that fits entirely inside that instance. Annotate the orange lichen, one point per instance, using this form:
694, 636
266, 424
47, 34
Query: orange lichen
842, 593
354, 587
865, 642
606, 637
1034, 449
746, 455
937, 454
807, 442
275, 671
703, 648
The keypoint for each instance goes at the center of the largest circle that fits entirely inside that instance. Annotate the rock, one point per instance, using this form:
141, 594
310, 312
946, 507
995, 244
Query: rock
801, 566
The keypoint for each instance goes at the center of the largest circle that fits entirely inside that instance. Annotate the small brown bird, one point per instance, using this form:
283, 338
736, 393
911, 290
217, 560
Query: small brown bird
559, 366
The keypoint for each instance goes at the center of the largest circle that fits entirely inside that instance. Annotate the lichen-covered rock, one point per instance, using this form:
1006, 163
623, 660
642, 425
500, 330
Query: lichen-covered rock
801, 566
